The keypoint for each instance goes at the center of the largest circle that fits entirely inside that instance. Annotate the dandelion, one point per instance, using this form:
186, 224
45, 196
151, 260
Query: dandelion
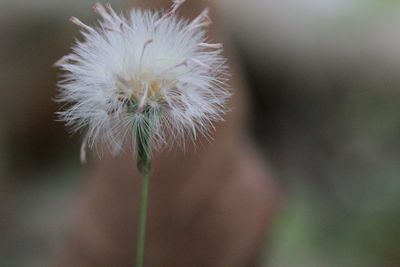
143, 74
142, 80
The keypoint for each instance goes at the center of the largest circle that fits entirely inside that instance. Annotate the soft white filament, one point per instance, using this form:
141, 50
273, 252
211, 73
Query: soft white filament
145, 61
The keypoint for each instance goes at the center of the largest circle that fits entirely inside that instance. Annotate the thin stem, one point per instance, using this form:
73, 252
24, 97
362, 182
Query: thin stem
142, 218
143, 143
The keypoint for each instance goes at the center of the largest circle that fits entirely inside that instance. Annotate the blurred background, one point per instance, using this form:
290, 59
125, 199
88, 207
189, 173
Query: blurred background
325, 99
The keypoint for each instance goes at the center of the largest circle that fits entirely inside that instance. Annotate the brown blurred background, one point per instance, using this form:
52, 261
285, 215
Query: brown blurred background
325, 109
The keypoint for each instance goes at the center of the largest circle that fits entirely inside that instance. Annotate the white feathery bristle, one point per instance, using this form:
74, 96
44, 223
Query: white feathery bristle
213, 46
143, 63
203, 20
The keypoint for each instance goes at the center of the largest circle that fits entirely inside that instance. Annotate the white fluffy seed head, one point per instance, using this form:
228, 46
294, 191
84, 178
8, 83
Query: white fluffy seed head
145, 62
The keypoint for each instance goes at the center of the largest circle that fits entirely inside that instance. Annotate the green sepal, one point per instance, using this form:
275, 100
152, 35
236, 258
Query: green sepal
144, 136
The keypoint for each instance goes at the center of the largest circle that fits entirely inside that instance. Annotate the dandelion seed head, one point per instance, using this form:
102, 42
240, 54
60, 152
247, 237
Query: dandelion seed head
146, 62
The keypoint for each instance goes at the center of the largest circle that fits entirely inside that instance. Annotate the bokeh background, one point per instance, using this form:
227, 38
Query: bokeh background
325, 99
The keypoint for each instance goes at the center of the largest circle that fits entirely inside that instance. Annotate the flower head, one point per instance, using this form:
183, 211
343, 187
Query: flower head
147, 73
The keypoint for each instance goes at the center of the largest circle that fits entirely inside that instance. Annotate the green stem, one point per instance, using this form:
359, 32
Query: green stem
144, 136
142, 218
